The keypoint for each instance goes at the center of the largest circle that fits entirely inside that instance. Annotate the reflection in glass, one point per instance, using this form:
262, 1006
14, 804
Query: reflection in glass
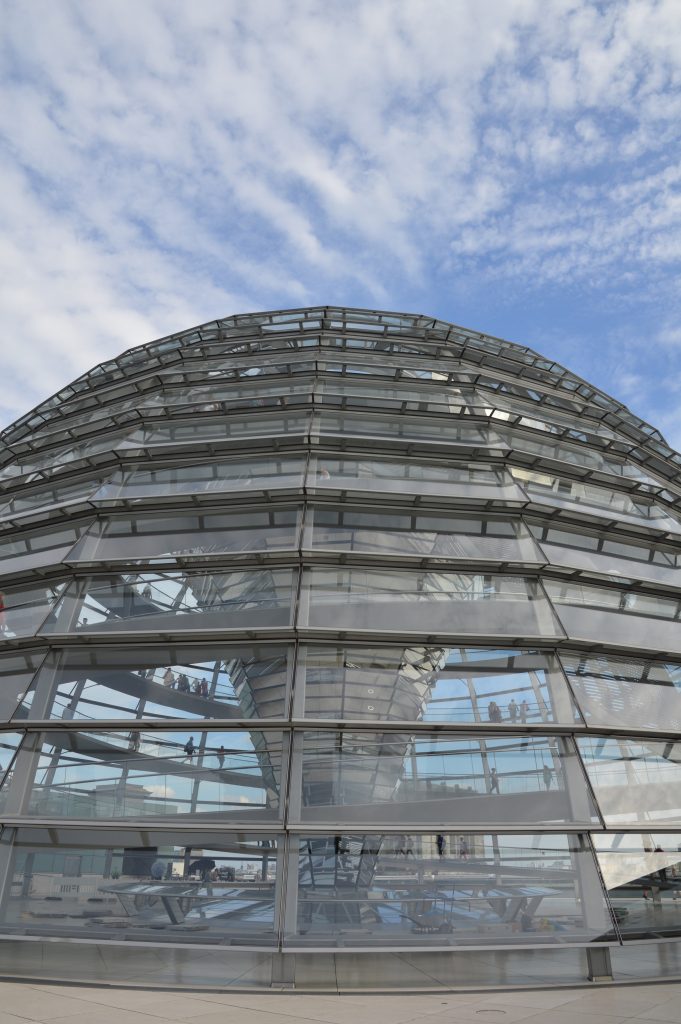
425, 536
447, 889
23, 609
133, 774
404, 396
47, 462
585, 457
619, 617
397, 777
560, 491
45, 498
623, 692
32, 550
161, 682
642, 873
634, 780
16, 672
234, 427
192, 535
151, 601
154, 887
432, 602
9, 744
213, 397
409, 428
435, 684
201, 478
608, 555
485, 482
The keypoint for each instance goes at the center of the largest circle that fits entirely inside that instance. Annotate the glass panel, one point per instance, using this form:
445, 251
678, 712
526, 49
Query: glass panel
238, 475
16, 673
214, 397
47, 498
434, 684
162, 682
396, 778
425, 399
603, 615
446, 889
545, 418
634, 780
430, 602
145, 886
409, 427
138, 774
233, 427
617, 692
54, 458
608, 556
23, 609
587, 458
421, 536
595, 500
483, 482
180, 601
32, 550
9, 744
642, 873
146, 539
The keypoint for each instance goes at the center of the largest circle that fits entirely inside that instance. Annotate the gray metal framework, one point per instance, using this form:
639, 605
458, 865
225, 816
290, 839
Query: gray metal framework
338, 632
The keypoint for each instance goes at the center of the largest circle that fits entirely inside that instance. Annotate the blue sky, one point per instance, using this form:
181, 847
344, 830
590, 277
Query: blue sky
510, 165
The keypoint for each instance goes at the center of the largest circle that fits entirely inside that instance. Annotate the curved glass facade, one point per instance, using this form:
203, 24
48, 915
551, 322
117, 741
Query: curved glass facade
330, 634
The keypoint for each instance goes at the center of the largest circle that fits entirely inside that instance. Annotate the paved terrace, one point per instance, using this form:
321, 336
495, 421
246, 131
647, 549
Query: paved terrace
66, 1004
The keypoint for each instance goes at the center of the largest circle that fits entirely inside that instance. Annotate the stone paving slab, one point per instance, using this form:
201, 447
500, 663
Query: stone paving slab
72, 1004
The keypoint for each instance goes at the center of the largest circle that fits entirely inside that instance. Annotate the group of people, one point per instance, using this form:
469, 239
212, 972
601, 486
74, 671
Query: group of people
516, 712
181, 683
189, 748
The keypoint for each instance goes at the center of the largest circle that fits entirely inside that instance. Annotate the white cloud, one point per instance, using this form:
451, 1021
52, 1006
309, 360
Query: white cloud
167, 162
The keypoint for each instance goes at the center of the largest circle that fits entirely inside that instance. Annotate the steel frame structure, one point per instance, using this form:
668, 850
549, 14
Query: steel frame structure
338, 633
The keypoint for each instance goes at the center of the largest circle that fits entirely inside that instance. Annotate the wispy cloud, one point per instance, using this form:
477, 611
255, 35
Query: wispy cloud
165, 163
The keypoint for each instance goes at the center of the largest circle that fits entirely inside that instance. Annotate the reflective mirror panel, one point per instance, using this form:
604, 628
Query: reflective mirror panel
625, 692
192, 535
634, 780
418, 535
156, 887
396, 777
429, 601
642, 873
162, 682
462, 686
158, 774
148, 602
446, 889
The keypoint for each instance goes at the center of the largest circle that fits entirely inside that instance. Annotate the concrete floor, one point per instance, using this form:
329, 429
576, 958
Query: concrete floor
65, 1004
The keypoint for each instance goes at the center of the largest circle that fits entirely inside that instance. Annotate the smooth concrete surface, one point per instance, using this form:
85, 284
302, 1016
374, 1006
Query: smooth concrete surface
68, 1004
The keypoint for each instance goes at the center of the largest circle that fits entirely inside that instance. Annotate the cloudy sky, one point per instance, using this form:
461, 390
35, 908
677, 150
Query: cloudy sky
509, 165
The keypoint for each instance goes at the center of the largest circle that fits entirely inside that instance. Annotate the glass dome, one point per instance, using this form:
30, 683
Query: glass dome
338, 647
